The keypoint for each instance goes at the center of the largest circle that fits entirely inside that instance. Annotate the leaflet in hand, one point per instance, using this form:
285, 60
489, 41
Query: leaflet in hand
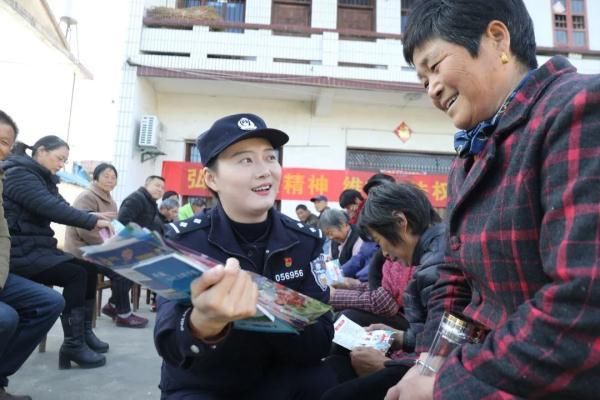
349, 334
332, 270
168, 269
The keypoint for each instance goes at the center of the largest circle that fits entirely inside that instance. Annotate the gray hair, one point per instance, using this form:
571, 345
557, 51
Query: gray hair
169, 204
197, 201
332, 218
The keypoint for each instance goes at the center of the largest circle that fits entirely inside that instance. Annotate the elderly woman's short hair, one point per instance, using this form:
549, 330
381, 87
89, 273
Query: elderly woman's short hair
388, 199
463, 22
332, 218
169, 204
197, 201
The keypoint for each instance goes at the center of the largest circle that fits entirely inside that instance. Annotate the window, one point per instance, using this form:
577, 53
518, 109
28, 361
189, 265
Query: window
407, 5
356, 15
191, 152
569, 19
409, 163
291, 12
377, 161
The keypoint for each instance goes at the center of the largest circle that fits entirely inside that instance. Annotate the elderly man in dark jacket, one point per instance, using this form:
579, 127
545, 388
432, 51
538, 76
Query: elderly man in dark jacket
140, 206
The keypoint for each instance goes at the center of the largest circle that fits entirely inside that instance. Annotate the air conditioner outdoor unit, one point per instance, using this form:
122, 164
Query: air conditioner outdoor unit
148, 136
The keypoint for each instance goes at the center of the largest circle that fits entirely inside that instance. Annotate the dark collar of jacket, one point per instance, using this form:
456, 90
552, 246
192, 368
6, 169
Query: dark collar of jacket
164, 219
142, 190
347, 246
29, 163
427, 239
222, 236
470, 171
100, 193
520, 107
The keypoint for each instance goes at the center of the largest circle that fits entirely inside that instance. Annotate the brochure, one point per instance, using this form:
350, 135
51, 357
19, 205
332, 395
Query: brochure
168, 269
333, 271
349, 334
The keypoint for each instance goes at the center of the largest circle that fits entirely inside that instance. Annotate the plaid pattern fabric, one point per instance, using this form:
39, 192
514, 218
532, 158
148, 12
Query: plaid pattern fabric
525, 230
378, 301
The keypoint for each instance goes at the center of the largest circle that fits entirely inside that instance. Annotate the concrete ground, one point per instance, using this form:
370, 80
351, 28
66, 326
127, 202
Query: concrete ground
132, 369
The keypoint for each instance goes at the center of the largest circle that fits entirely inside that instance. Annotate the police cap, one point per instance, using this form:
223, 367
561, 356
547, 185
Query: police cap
232, 129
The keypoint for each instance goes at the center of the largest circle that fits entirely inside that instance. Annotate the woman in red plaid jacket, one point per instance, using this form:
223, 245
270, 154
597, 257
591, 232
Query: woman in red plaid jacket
524, 206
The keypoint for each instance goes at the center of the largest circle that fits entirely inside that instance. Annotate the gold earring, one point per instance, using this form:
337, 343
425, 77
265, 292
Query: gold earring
504, 58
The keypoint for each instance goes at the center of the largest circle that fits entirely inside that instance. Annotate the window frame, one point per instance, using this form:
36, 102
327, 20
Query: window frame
305, 3
569, 29
372, 8
404, 12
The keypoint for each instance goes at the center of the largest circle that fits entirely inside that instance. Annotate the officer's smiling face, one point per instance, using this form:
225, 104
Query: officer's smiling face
246, 176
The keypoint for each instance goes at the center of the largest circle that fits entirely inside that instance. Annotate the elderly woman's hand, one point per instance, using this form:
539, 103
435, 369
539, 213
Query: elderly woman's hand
366, 360
397, 336
104, 224
413, 386
347, 283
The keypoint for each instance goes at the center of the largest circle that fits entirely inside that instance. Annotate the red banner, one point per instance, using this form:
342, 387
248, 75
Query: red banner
301, 184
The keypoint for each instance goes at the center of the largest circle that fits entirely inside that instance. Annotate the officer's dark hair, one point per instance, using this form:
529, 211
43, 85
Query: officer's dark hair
376, 180
153, 177
7, 120
388, 199
100, 168
49, 143
463, 22
301, 207
349, 196
212, 165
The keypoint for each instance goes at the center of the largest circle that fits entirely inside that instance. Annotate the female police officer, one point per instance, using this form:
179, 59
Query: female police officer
204, 358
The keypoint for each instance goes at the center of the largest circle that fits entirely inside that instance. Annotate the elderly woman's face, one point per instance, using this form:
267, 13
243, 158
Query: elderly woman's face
337, 234
463, 87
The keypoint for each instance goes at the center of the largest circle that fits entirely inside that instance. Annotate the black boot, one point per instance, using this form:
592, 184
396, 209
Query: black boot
90, 338
4, 395
74, 347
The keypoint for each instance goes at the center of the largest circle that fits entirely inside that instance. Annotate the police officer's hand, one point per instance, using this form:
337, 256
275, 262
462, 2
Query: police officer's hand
221, 295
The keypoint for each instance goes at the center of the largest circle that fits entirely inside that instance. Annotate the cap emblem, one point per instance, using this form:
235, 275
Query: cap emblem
246, 125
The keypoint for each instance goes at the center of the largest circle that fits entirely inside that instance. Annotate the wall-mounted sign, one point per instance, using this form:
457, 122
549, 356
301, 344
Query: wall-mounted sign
187, 178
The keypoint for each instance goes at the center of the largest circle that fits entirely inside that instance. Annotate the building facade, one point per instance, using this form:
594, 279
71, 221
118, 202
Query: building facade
330, 73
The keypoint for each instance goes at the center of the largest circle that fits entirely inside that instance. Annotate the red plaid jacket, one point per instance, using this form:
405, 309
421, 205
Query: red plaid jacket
525, 238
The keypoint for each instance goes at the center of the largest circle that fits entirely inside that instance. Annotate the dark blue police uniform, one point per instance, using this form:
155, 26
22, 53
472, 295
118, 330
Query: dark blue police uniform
247, 365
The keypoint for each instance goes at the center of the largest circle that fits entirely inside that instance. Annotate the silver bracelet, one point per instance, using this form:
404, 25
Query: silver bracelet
425, 366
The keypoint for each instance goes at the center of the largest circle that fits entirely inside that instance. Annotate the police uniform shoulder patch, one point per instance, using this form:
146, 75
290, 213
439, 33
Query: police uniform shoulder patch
178, 228
319, 272
300, 227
